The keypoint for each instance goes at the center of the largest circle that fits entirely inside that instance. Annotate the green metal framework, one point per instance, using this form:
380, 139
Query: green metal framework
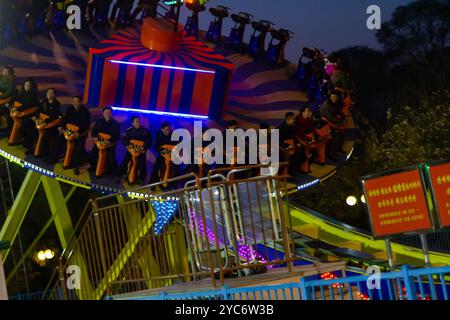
60, 216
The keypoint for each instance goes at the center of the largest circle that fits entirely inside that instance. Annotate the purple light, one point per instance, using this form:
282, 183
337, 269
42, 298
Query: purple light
161, 113
245, 251
162, 66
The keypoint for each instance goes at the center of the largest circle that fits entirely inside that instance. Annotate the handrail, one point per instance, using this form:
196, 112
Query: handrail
204, 179
307, 286
72, 239
121, 230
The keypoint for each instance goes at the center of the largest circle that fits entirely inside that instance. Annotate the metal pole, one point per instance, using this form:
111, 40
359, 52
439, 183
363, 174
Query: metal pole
391, 266
426, 254
62, 280
390, 254
3, 291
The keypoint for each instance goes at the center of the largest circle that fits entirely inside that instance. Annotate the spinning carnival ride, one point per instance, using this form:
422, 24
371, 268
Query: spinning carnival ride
171, 76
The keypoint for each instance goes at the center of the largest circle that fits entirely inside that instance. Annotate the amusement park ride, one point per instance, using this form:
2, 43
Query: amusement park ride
212, 229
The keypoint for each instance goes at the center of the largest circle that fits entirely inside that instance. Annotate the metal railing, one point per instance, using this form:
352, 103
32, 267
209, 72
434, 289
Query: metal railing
27, 296
438, 241
407, 284
142, 239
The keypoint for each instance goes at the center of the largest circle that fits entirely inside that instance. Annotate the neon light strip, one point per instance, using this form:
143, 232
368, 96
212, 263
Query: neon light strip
307, 185
161, 113
161, 66
42, 171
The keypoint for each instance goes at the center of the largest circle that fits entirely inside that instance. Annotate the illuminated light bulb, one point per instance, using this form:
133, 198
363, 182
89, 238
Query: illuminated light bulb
49, 254
351, 200
363, 199
41, 255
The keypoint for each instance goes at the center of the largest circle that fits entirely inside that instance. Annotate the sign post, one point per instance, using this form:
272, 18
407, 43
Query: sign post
426, 254
390, 255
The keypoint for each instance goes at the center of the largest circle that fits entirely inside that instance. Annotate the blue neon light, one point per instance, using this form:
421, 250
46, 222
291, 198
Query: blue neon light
161, 66
160, 113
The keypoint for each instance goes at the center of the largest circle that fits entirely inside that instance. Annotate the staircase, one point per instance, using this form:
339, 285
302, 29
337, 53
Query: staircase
145, 240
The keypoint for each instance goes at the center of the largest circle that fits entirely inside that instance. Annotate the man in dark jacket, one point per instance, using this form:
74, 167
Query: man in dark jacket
7, 83
123, 7
77, 115
149, 8
50, 107
29, 105
139, 133
106, 125
163, 137
289, 145
331, 111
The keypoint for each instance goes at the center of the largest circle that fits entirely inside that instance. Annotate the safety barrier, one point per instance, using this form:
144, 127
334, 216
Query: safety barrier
406, 284
438, 241
27, 296
211, 228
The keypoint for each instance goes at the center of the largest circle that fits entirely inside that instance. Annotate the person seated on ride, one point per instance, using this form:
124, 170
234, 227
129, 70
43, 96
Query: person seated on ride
163, 168
330, 64
264, 149
137, 140
75, 129
196, 163
341, 76
37, 15
124, 8
147, 7
289, 146
235, 150
24, 109
7, 83
47, 121
105, 133
231, 125
346, 95
313, 147
101, 8
7, 88
331, 112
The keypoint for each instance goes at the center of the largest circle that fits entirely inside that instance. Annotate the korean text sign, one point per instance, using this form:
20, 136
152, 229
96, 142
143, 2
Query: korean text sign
397, 203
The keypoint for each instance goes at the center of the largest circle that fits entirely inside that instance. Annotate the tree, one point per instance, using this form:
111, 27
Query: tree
419, 34
419, 135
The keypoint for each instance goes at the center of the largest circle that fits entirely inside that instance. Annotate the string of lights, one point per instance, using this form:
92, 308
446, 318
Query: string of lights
165, 211
245, 251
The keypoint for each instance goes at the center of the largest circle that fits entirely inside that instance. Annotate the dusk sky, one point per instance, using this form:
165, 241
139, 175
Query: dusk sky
326, 24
